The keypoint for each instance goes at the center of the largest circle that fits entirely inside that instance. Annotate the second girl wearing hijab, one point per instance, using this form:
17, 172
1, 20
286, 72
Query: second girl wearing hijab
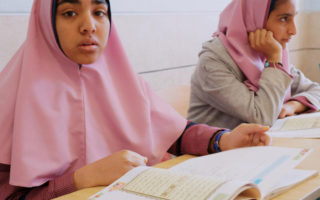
244, 75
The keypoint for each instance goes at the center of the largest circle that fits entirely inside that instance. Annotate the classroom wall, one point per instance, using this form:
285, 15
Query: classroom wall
309, 5
305, 47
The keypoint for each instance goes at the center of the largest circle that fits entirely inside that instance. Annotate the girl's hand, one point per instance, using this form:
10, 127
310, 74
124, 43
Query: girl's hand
245, 135
263, 41
105, 171
290, 108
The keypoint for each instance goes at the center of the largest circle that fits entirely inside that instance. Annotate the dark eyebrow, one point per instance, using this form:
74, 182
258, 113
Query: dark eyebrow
99, 2
78, 2
68, 1
285, 15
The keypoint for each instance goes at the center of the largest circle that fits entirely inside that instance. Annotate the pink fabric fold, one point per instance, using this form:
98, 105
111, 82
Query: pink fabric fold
236, 21
56, 118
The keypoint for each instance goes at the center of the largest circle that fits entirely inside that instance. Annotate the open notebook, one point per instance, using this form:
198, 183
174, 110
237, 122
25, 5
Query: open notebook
246, 173
298, 126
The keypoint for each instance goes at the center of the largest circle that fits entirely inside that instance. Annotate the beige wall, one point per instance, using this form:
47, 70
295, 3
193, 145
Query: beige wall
305, 48
156, 43
12, 34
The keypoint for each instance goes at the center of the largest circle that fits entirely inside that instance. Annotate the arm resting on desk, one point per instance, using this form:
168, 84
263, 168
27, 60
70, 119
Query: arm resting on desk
54, 188
194, 140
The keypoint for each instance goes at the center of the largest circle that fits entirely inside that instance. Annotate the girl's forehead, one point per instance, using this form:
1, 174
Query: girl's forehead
288, 6
59, 2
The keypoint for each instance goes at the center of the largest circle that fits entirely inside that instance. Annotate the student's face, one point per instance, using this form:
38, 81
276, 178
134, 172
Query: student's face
281, 22
83, 29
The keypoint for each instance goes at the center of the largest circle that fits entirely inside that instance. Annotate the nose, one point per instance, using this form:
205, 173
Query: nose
292, 28
88, 24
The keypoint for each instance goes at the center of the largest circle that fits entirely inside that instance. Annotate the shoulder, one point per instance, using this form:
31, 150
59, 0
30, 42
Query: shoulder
214, 56
214, 47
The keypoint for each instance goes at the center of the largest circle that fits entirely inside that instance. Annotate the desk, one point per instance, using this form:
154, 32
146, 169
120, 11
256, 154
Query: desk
298, 192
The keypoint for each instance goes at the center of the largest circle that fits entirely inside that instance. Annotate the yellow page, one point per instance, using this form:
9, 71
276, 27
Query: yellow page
298, 126
301, 123
163, 184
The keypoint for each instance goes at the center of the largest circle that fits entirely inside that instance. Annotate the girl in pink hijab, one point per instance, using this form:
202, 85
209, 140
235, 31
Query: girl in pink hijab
75, 115
243, 74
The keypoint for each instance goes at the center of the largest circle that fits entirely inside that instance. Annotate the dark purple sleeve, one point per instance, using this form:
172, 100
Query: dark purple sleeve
195, 140
305, 102
54, 188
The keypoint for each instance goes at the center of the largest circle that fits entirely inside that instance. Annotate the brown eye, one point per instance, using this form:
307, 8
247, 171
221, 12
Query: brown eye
100, 13
69, 14
284, 19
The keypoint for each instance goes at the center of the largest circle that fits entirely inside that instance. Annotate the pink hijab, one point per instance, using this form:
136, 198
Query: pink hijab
55, 118
238, 19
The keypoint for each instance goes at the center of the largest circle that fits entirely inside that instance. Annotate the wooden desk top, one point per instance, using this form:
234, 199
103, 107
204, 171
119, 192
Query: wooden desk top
312, 162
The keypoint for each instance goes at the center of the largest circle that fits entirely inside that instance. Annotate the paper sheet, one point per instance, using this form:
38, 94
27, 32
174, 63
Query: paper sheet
164, 184
299, 126
263, 166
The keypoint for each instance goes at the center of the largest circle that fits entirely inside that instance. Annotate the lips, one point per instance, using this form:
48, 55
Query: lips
88, 45
287, 40
88, 42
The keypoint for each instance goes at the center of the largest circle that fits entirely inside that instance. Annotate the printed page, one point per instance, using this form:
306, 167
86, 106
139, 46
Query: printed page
145, 183
114, 191
236, 190
263, 166
299, 126
292, 178
164, 184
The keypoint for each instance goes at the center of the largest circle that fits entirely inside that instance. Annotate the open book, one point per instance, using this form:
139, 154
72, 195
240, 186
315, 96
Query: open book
246, 173
298, 126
